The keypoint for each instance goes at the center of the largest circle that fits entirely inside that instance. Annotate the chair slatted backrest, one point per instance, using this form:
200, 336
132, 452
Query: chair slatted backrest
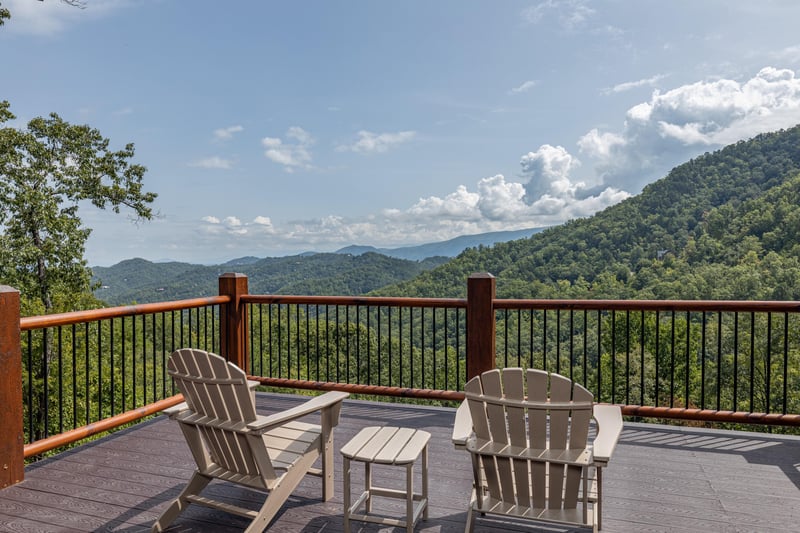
218, 394
512, 419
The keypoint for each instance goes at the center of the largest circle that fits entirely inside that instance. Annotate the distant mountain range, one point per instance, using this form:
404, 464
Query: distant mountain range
354, 270
450, 248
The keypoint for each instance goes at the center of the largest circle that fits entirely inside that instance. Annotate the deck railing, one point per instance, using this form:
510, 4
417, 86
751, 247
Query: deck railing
66, 377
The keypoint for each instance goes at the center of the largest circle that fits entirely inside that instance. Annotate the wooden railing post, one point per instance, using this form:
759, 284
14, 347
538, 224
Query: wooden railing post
233, 318
12, 463
480, 324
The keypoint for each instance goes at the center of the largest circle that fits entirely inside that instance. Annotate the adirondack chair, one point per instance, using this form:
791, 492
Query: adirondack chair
230, 442
530, 455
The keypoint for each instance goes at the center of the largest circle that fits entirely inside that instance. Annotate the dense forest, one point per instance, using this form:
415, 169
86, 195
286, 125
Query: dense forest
725, 225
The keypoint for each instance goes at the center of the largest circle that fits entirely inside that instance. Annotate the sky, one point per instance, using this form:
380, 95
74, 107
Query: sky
273, 128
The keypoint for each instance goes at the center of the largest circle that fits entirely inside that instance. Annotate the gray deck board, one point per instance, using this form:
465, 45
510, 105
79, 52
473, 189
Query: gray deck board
661, 479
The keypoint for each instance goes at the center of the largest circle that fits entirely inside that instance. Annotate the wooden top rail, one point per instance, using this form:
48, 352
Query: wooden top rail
653, 305
373, 301
79, 317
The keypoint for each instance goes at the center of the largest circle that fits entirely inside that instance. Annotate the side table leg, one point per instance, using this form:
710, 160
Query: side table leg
425, 481
368, 484
410, 498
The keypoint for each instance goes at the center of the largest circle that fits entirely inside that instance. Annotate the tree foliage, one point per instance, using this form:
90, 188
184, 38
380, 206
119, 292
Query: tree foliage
48, 170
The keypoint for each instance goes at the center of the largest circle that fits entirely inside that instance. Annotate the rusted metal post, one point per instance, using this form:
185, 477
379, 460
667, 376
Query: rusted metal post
233, 319
480, 324
12, 463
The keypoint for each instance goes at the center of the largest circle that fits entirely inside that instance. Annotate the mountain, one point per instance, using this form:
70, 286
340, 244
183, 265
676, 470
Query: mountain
449, 248
725, 225
368, 268
141, 281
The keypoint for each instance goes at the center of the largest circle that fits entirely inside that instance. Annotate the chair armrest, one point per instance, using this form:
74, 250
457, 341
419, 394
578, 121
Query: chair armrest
175, 409
326, 401
609, 428
462, 427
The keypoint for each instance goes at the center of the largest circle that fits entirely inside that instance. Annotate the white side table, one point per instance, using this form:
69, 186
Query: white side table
387, 446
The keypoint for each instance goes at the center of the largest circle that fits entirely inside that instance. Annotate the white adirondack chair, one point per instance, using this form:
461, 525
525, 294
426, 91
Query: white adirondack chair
529, 449
230, 442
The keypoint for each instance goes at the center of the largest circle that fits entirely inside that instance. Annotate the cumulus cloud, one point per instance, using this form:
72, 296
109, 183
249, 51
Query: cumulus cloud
494, 204
680, 123
224, 134
369, 142
212, 162
548, 171
525, 87
291, 155
502, 204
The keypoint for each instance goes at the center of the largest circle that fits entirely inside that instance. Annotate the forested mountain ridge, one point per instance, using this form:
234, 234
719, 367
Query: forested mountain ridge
724, 225
141, 281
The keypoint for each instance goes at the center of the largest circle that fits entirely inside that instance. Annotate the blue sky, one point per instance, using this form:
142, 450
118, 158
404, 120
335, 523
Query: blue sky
273, 128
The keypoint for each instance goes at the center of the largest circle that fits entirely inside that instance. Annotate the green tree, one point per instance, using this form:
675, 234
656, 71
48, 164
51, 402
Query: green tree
47, 171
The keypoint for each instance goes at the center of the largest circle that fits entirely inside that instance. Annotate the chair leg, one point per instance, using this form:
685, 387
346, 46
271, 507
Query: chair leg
599, 503
278, 495
327, 464
195, 486
346, 489
471, 513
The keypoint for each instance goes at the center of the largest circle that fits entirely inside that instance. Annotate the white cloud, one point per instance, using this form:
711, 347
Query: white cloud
570, 14
628, 85
495, 204
460, 204
598, 144
212, 162
291, 156
233, 227
52, 17
680, 123
548, 171
227, 133
369, 142
526, 86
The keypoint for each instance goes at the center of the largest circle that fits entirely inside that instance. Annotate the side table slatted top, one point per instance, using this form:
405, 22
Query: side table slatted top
387, 446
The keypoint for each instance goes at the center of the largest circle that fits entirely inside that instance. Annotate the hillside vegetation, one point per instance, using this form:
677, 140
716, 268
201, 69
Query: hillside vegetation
725, 225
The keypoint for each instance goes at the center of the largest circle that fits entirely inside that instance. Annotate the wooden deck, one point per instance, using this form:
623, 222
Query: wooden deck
660, 479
